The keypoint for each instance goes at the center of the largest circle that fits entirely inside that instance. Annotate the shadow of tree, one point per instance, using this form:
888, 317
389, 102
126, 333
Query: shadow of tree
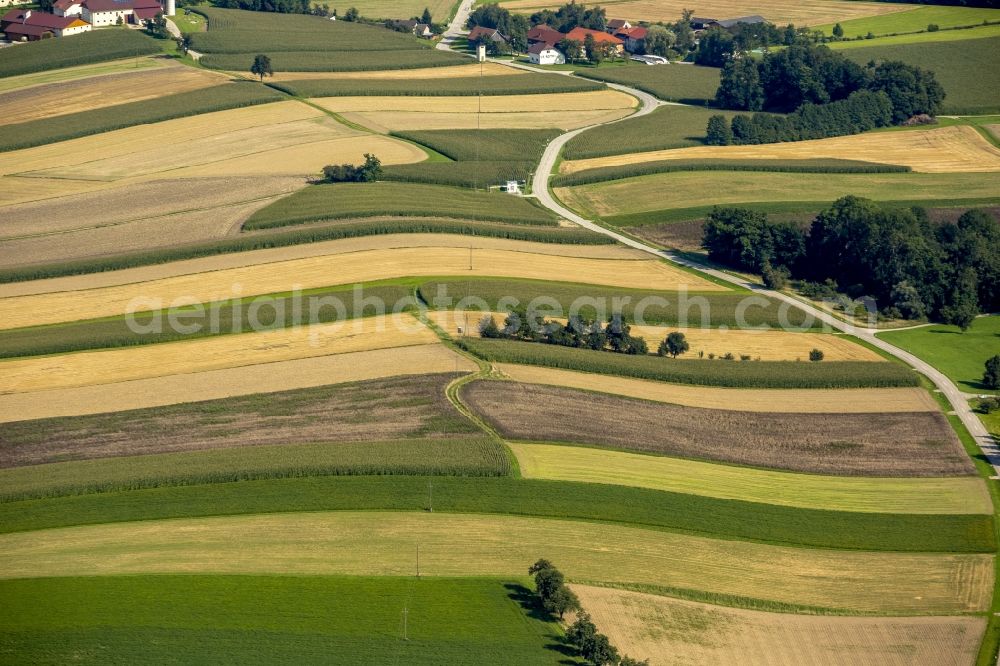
532, 606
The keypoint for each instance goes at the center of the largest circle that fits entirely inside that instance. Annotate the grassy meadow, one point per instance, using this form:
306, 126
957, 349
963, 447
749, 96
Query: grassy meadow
961, 356
275, 619
915, 20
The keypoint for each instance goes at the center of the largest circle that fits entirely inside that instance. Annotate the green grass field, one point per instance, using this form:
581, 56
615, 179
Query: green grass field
337, 61
84, 123
665, 128
644, 194
188, 21
914, 20
654, 509
395, 9
735, 374
967, 69
956, 35
274, 619
514, 84
90, 47
707, 309
356, 200
959, 355
689, 84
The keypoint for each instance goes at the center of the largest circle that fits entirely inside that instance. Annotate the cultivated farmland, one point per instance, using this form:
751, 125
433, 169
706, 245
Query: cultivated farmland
946, 495
242, 380
959, 148
131, 65
91, 47
690, 85
513, 84
813, 401
397, 9
904, 444
447, 72
381, 543
915, 19
667, 631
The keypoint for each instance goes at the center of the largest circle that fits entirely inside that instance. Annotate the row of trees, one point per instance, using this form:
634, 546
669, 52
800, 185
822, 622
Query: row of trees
530, 326
558, 599
909, 266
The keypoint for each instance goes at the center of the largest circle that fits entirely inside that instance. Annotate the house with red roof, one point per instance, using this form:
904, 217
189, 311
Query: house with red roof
544, 34
28, 25
113, 12
601, 37
616, 25
634, 38
484, 34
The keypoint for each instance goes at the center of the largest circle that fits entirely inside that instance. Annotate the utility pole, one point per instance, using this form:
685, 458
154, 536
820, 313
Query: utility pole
418, 560
470, 257
430, 496
405, 612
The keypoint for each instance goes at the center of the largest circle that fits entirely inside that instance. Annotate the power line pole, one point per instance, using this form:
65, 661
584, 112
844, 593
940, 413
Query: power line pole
405, 612
418, 560
430, 496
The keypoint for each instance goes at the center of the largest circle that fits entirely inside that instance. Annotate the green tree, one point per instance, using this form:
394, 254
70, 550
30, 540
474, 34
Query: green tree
600, 652
816, 355
906, 299
740, 87
547, 581
488, 327
540, 565
685, 39
912, 90
629, 661
352, 15
371, 170
581, 632
674, 344
562, 601
572, 49
156, 27
261, 66
593, 50
991, 376
658, 41
426, 16
838, 31
715, 48
184, 43
718, 132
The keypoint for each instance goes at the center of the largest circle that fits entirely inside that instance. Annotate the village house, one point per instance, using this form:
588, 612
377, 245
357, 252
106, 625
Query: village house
732, 23
483, 34
27, 25
634, 38
617, 25
545, 54
413, 26
601, 37
544, 34
113, 12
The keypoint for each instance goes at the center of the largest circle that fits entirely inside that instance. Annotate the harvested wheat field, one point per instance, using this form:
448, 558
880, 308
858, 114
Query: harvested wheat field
398, 121
454, 71
331, 270
810, 401
108, 366
97, 92
312, 250
781, 12
763, 345
16, 190
382, 543
243, 380
673, 631
948, 495
398, 407
884, 444
942, 150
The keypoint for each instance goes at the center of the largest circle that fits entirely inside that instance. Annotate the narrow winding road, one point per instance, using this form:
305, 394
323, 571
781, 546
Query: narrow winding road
456, 28
959, 403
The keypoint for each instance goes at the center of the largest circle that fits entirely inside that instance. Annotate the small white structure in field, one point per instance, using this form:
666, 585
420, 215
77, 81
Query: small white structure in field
481, 52
546, 54
512, 187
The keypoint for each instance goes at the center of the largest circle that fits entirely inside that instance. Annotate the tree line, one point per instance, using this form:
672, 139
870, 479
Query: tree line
530, 326
911, 267
558, 599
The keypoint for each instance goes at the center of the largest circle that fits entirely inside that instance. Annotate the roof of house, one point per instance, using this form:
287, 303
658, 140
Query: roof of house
421, 27
632, 33
147, 12
729, 23
541, 46
580, 34
617, 24
544, 33
702, 20
119, 5
25, 29
66, 4
480, 32
37, 18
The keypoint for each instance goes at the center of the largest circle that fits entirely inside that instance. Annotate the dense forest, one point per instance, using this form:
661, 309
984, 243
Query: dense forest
910, 266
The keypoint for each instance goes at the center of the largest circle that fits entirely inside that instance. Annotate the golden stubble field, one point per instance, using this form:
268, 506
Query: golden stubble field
269, 377
781, 12
338, 269
789, 401
563, 110
673, 631
211, 353
763, 345
96, 92
455, 71
944, 150
383, 543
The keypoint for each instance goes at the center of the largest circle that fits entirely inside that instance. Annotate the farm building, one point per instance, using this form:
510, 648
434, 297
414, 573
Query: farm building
634, 38
617, 25
483, 34
546, 54
112, 12
413, 26
543, 34
581, 34
26, 25
732, 23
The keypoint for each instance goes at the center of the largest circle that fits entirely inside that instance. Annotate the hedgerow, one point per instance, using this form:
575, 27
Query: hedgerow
737, 374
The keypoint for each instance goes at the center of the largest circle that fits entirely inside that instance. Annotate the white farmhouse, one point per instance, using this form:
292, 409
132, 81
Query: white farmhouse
546, 54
